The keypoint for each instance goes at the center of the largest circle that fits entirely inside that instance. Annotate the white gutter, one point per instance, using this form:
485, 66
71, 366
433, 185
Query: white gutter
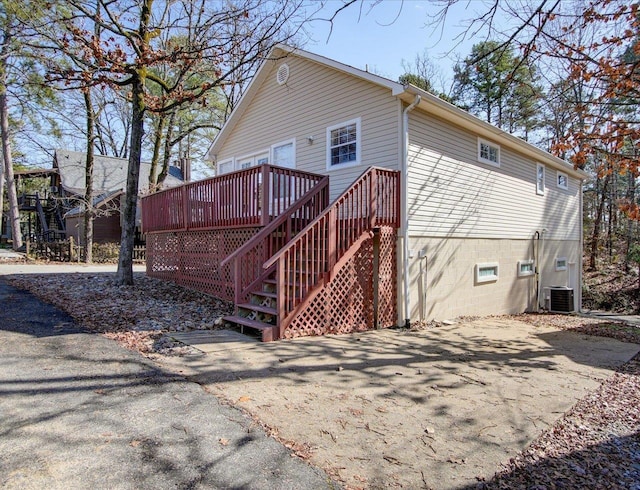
404, 211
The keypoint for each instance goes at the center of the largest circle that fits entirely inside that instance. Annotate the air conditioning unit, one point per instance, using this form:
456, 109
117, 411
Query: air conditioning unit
561, 299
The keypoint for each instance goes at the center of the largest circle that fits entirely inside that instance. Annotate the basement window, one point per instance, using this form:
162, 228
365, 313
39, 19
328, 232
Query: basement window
487, 272
488, 153
525, 268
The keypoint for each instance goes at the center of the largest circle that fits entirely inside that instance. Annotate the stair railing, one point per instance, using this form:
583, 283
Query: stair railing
308, 260
246, 262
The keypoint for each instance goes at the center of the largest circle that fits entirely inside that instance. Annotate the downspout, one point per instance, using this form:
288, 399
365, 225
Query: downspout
404, 212
541, 259
580, 252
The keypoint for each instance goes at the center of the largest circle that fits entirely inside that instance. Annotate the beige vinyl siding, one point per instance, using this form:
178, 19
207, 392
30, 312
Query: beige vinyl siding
451, 194
314, 98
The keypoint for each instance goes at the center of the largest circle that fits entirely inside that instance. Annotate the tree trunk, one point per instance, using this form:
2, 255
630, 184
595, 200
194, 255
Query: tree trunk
155, 158
12, 195
88, 181
124, 275
631, 199
593, 253
166, 157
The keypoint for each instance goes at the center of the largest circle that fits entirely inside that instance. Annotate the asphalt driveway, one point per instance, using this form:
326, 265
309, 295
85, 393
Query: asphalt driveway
79, 411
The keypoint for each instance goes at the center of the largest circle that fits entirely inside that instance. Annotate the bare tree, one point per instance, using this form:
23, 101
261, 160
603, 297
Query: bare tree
220, 40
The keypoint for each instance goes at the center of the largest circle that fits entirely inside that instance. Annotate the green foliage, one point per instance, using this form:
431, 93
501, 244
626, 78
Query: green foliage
416, 80
634, 253
495, 84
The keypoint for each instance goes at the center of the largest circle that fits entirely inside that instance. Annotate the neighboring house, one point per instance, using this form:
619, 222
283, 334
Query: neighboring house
486, 223
109, 182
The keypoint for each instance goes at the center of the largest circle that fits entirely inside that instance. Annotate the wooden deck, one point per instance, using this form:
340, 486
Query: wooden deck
266, 239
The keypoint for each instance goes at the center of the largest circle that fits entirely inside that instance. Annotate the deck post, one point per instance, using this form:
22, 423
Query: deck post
332, 239
281, 290
373, 199
185, 207
266, 191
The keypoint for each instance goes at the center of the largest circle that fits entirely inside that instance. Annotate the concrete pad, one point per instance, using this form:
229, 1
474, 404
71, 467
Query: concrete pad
437, 408
212, 341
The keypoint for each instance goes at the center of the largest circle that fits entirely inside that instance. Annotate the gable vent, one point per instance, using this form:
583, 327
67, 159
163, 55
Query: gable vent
282, 74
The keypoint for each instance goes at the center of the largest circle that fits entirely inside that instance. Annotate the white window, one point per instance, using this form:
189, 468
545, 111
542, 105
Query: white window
225, 166
488, 153
253, 160
487, 272
561, 263
540, 179
525, 268
563, 181
343, 144
284, 154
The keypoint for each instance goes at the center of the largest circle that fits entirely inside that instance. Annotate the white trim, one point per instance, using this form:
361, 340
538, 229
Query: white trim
540, 190
357, 121
559, 261
490, 144
488, 278
565, 177
291, 142
225, 162
253, 156
526, 273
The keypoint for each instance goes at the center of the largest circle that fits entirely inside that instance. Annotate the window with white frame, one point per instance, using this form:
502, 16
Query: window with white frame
487, 272
225, 166
343, 144
283, 155
253, 160
526, 268
488, 152
563, 180
540, 179
561, 263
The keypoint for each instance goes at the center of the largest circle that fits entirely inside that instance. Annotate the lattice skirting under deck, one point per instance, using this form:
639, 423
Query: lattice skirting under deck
192, 258
346, 303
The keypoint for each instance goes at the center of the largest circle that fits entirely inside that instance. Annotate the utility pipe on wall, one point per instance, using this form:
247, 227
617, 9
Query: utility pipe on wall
404, 212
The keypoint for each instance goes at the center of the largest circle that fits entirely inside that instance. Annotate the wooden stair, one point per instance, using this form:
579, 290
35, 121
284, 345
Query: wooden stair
259, 317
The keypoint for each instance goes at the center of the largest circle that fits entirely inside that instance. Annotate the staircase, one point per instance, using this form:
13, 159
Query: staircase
296, 272
51, 225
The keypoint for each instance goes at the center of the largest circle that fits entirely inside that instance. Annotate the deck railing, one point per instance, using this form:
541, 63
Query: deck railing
251, 197
246, 262
309, 259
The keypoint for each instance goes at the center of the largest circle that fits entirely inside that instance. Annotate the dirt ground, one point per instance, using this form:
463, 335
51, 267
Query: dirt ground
439, 408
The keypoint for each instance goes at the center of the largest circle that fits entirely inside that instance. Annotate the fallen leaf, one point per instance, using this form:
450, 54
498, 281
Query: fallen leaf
223, 441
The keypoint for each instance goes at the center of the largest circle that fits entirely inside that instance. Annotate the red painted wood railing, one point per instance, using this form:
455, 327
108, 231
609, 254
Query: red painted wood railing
309, 259
247, 261
234, 200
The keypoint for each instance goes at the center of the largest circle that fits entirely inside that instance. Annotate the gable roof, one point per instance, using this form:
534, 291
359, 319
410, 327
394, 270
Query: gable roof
429, 103
109, 173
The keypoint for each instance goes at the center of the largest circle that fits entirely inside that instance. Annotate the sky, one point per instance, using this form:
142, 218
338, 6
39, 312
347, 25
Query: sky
380, 38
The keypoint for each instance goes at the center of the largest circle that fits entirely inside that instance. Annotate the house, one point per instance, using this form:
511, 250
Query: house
449, 216
109, 182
